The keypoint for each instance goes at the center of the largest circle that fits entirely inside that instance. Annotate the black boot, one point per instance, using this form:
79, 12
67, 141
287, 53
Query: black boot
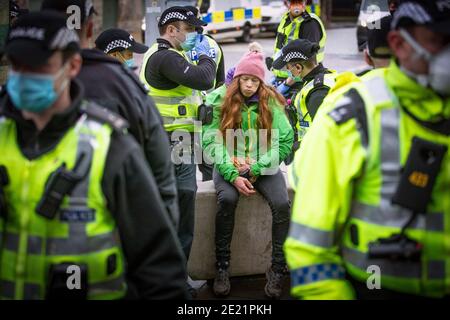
274, 285
222, 284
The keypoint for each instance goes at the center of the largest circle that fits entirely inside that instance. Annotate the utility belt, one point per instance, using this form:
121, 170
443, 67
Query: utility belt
204, 114
60, 286
414, 193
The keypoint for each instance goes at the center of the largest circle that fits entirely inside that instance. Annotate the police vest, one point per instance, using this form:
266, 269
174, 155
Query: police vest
178, 106
387, 138
326, 80
214, 53
83, 232
290, 32
387, 153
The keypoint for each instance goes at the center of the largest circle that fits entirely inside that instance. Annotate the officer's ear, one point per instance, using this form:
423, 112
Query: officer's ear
399, 46
89, 28
74, 65
368, 59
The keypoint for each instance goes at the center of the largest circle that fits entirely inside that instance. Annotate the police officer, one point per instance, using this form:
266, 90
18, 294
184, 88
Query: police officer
297, 23
377, 53
373, 179
216, 53
110, 83
72, 175
174, 84
121, 45
299, 57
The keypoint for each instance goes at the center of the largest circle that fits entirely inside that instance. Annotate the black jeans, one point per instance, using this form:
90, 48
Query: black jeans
187, 190
273, 189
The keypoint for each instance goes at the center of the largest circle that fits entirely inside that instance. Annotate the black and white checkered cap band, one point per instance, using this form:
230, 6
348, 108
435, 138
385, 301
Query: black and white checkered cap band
294, 55
413, 11
173, 15
117, 44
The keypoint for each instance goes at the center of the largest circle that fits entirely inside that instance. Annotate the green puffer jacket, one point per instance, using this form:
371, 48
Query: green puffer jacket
266, 158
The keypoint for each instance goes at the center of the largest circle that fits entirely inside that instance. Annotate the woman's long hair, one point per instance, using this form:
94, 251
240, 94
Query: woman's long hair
231, 117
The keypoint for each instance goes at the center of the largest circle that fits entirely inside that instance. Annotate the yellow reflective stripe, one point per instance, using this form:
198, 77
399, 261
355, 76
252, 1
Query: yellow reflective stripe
178, 121
62, 246
193, 100
311, 236
396, 217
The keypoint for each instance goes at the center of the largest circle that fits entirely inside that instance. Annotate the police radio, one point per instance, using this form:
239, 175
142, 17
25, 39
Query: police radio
419, 175
60, 184
414, 193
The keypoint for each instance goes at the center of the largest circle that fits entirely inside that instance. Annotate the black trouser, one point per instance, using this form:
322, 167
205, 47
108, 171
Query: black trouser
207, 171
273, 189
187, 190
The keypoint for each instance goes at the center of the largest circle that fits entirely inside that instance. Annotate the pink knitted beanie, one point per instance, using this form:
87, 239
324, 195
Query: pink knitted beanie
252, 63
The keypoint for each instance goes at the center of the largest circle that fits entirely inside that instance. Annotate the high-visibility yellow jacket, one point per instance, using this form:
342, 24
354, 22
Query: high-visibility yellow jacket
347, 172
290, 32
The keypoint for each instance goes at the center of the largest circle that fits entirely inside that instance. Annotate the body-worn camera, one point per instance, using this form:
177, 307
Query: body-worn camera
61, 183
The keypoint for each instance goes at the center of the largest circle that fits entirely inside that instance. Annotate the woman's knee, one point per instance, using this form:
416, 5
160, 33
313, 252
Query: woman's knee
227, 200
281, 210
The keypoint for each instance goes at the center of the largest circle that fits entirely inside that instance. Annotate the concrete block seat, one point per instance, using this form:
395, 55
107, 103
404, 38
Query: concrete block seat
251, 246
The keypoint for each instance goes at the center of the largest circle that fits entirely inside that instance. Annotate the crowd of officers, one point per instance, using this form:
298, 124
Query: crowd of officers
98, 166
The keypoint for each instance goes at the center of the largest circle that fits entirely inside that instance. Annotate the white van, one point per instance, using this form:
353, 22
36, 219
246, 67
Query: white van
231, 19
272, 13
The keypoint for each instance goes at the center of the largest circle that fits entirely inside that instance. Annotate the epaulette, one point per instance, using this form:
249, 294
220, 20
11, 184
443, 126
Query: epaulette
352, 106
163, 46
130, 73
103, 115
306, 16
319, 80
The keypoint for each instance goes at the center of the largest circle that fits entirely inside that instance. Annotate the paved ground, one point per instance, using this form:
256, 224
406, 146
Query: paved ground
243, 288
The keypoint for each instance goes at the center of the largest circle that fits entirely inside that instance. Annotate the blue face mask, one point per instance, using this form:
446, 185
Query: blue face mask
189, 43
130, 63
33, 92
